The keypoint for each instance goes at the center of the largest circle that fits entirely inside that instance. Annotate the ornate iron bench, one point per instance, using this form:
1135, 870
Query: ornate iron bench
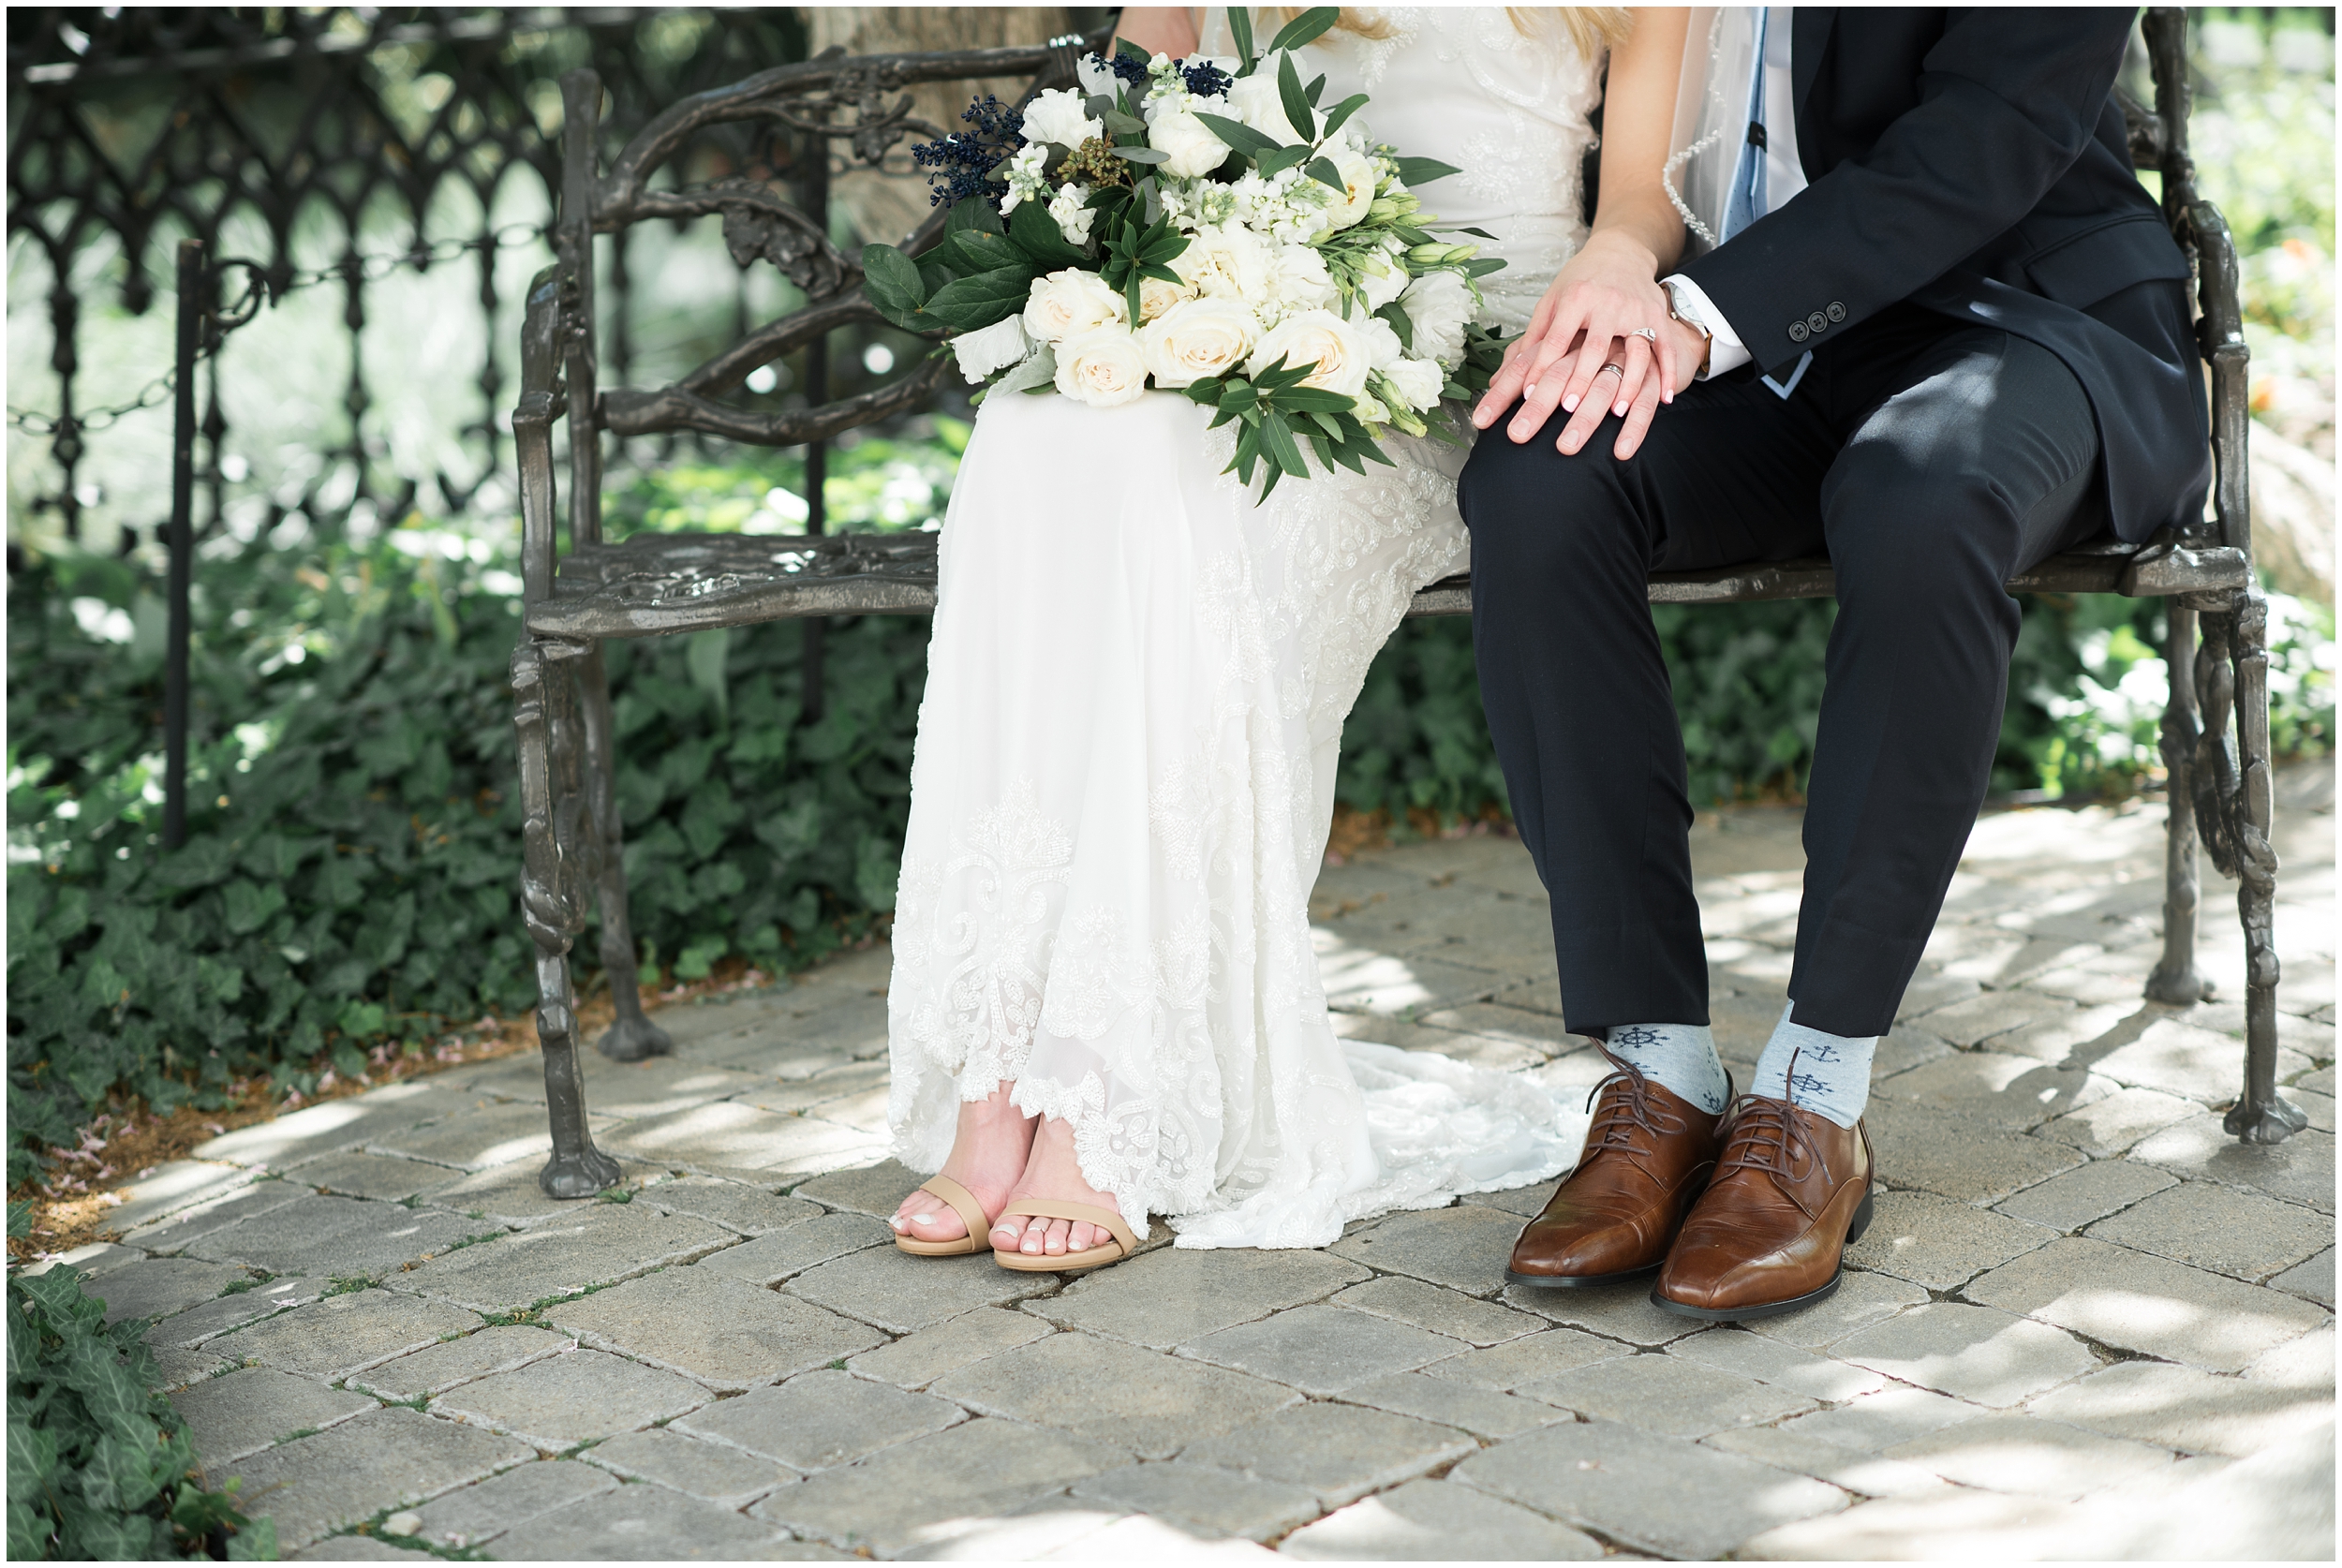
2214, 733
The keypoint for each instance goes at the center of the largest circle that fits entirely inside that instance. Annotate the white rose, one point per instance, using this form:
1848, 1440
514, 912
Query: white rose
1225, 261
1095, 75
1059, 116
1321, 338
1297, 277
1383, 348
1379, 289
995, 348
1198, 338
1258, 102
1438, 304
1357, 182
1156, 296
1069, 206
1069, 303
1416, 382
1102, 367
1192, 150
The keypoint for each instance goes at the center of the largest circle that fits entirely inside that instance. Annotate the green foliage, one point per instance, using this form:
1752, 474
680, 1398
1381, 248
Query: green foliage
99, 1465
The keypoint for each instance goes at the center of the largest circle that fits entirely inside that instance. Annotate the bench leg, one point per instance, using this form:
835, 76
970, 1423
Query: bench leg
559, 851
2176, 979
2262, 1115
630, 1037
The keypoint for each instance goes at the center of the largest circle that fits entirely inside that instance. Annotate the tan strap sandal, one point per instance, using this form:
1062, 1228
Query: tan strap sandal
970, 1214
1121, 1247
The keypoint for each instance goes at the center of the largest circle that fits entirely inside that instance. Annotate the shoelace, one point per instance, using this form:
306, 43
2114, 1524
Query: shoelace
1765, 1138
1631, 1112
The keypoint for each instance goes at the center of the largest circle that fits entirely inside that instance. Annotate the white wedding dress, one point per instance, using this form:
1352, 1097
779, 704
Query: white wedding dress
1126, 753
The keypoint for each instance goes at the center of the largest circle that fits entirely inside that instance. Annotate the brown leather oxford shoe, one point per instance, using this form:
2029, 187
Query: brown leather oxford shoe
1792, 1189
1647, 1156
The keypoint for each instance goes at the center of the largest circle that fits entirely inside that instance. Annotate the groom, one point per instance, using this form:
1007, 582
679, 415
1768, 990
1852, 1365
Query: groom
1946, 336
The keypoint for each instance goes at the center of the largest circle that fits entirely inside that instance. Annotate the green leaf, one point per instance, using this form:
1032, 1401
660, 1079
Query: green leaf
1401, 323
893, 284
1278, 444
1324, 173
1125, 50
1296, 103
1422, 171
1039, 237
976, 303
1119, 123
1302, 28
1341, 112
1241, 34
1140, 155
973, 250
1238, 135
974, 214
249, 906
1274, 163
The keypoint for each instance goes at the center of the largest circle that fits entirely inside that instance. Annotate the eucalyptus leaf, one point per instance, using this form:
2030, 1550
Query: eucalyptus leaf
1238, 135
1303, 28
1422, 171
1296, 103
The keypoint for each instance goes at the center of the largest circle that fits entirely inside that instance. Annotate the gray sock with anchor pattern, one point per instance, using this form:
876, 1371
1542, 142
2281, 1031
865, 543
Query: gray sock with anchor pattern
1680, 1057
1832, 1071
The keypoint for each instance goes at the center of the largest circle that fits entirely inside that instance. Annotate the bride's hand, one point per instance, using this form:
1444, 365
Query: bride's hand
1609, 293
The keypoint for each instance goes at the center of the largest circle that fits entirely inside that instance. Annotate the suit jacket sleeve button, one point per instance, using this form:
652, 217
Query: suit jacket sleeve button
1798, 332
1817, 322
1837, 311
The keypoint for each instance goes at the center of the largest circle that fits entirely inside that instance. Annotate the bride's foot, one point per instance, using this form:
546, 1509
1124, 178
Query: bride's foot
988, 1155
1053, 1173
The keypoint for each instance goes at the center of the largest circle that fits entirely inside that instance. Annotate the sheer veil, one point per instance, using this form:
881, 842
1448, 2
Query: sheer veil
1719, 52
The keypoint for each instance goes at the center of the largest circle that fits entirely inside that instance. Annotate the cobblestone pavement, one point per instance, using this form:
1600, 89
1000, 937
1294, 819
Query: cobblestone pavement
2084, 1323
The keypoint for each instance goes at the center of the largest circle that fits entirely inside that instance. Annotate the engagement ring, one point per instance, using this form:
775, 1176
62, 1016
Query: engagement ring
1651, 333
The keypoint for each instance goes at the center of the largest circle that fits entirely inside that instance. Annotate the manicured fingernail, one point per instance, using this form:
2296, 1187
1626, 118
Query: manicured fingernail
1619, 409
1569, 403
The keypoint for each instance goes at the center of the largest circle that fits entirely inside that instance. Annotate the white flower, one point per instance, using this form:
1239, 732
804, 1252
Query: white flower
1024, 173
1058, 116
1095, 75
1321, 338
1226, 261
995, 348
1156, 296
1173, 129
1297, 279
1258, 102
1072, 217
1198, 338
1102, 367
1067, 304
1378, 288
1416, 382
1370, 409
1357, 179
1383, 348
1438, 305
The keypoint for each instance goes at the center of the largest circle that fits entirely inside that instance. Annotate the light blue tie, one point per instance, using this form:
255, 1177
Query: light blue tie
1747, 203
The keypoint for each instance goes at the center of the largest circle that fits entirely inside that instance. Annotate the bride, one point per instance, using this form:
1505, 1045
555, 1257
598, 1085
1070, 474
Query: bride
1104, 1001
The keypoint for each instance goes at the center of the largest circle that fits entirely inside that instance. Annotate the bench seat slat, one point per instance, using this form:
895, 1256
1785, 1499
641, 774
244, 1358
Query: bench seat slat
651, 584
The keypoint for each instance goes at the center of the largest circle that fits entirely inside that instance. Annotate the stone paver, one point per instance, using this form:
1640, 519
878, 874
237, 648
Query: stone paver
488, 1134
1462, 1247
895, 1499
338, 1236
1211, 1500
2014, 1094
1667, 1394
383, 1459
2076, 1198
509, 1194
174, 1186
1874, 1423
1518, 1361
443, 1367
900, 1293
726, 1334
2312, 1280
876, 1190
330, 1339
2112, 1125
916, 1360
571, 1399
2299, 1170
239, 1413
1340, 1452
1861, 1299
2137, 1303
358, 1174
632, 1524
1441, 1312
1614, 1312
1972, 1353
727, 1135
768, 1260
1467, 1407
604, 1244
1169, 1298
1942, 1245
504, 1503
1752, 1356
821, 1420
731, 1476
2182, 1408
734, 1206
2229, 1231
1322, 1350
168, 1235
1864, 1474
1437, 1521
2025, 1455
335, 1124
1956, 1157
1141, 1401
224, 1314
1632, 1487
161, 1287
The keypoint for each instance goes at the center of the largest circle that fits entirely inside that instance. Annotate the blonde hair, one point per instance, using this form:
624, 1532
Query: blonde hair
1592, 28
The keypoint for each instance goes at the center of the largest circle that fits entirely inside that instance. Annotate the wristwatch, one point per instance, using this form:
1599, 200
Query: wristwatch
1677, 311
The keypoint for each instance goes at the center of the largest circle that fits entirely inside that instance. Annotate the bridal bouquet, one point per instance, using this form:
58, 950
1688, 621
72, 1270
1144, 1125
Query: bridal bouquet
1202, 225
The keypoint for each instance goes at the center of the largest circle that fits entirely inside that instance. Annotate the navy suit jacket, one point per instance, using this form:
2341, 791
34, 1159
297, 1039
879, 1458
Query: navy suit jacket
1973, 161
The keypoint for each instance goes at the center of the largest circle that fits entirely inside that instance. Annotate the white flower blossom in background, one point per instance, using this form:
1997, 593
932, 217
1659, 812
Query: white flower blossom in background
1072, 217
1102, 367
1321, 338
1172, 129
1380, 288
1439, 305
1417, 382
1298, 280
1156, 296
1226, 260
1358, 175
1059, 117
1383, 348
1067, 304
1259, 102
1198, 338
1026, 180
995, 348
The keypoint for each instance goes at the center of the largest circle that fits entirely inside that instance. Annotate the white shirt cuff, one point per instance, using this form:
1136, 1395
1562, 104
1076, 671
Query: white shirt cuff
1725, 351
